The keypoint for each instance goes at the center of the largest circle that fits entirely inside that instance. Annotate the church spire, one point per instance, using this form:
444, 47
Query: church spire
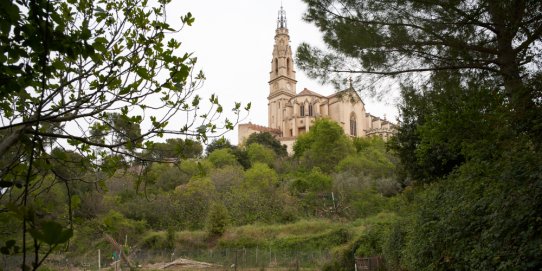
282, 75
282, 83
281, 20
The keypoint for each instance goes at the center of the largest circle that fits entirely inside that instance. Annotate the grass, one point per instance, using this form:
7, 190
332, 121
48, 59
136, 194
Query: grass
278, 235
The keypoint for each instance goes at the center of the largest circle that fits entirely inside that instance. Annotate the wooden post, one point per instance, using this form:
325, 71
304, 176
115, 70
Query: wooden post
235, 266
118, 247
99, 260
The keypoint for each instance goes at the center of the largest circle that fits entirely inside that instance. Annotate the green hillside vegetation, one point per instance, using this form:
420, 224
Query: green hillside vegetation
278, 203
89, 88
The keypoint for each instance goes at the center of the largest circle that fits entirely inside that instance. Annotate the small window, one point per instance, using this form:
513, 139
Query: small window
302, 110
276, 66
310, 109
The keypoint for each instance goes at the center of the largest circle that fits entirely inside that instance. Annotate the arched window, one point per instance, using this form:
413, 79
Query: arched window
310, 109
276, 66
302, 110
353, 125
288, 65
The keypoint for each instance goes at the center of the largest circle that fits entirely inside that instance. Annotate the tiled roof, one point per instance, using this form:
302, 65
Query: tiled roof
261, 128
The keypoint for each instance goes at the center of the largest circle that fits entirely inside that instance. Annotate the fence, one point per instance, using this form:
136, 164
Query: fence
241, 258
369, 263
226, 258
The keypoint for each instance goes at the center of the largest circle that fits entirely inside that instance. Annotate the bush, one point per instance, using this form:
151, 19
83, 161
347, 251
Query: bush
158, 240
218, 219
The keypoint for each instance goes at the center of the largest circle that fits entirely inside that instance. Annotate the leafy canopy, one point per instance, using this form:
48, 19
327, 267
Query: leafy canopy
323, 146
483, 38
98, 78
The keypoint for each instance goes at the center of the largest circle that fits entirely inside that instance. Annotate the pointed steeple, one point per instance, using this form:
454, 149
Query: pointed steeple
281, 20
282, 81
282, 75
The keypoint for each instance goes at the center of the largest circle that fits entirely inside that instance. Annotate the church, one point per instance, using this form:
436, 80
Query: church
291, 114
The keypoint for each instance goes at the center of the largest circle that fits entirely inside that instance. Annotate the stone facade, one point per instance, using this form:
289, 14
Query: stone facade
291, 114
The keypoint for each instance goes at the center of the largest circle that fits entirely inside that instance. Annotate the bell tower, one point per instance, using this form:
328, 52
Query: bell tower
282, 83
282, 75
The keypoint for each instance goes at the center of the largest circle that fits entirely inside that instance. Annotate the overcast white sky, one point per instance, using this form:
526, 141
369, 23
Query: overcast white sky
233, 41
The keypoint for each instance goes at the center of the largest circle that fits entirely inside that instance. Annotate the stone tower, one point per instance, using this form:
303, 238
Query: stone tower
282, 83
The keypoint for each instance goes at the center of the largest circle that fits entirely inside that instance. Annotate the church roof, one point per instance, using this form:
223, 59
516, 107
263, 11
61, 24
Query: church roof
261, 128
307, 92
340, 94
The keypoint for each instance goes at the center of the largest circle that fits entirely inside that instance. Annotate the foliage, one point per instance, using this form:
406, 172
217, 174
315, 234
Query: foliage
192, 200
261, 176
302, 235
166, 177
314, 190
158, 240
372, 233
223, 143
118, 226
268, 140
485, 210
447, 124
88, 76
323, 146
259, 198
467, 120
315, 181
219, 143
222, 157
258, 153
404, 37
218, 219
226, 178
371, 159
175, 148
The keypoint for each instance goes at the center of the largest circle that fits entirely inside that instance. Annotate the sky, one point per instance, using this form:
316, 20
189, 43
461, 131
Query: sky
233, 41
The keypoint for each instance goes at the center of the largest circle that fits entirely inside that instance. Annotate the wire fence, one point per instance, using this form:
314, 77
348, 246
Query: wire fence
222, 259
242, 258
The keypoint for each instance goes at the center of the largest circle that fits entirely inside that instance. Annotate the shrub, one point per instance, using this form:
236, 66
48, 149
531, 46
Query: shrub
218, 219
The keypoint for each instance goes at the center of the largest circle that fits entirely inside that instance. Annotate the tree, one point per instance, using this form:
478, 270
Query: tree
219, 143
223, 143
259, 198
222, 157
90, 69
175, 148
218, 219
267, 139
497, 39
314, 190
371, 159
259, 153
323, 146
194, 200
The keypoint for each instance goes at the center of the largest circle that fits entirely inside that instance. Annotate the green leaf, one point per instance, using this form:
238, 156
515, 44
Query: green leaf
51, 233
188, 19
100, 44
11, 10
143, 73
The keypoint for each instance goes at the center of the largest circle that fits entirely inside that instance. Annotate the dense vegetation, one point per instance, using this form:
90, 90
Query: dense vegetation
458, 188
214, 202
469, 142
